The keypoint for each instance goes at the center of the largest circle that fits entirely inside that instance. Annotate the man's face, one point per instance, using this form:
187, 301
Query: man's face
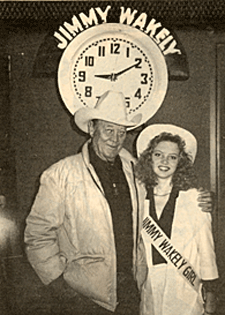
107, 138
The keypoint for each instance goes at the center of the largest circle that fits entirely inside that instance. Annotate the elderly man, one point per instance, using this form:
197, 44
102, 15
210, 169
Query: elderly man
83, 229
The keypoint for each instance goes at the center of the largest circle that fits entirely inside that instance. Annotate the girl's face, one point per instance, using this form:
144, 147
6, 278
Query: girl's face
165, 158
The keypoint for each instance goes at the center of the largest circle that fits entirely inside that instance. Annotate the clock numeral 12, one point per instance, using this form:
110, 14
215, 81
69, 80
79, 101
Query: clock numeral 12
115, 48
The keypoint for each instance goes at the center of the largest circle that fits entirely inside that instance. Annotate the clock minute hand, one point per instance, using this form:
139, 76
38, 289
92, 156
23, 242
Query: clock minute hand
125, 70
114, 76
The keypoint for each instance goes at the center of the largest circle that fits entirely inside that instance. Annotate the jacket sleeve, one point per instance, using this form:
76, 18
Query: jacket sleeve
45, 218
206, 246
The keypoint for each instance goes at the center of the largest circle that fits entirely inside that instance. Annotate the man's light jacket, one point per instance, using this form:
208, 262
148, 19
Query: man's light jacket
69, 229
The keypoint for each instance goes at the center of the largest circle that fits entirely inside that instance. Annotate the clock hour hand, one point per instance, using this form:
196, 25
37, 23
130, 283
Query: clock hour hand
103, 76
110, 77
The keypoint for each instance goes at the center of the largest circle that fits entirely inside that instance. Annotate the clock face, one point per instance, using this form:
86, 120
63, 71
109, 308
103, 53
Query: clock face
113, 63
113, 57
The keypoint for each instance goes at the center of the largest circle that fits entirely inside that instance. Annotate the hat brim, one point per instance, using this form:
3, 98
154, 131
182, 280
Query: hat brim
152, 131
84, 115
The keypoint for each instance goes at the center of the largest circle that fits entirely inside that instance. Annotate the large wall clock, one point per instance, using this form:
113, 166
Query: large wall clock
113, 56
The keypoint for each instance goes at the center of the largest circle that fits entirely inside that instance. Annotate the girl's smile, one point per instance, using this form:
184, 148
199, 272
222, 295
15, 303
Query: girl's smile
165, 158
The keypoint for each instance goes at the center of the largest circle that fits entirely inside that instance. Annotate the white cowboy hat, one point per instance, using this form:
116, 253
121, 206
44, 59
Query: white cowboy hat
152, 131
111, 107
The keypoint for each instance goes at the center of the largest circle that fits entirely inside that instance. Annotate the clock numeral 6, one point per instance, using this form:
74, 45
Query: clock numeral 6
88, 91
82, 76
89, 61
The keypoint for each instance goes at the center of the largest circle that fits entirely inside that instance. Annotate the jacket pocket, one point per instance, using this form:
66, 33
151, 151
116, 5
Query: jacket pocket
92, 277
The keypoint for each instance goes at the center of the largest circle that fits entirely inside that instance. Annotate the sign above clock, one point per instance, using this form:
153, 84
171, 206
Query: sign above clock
115, 56
161, 35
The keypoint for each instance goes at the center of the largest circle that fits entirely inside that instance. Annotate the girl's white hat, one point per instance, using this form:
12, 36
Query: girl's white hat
152, 131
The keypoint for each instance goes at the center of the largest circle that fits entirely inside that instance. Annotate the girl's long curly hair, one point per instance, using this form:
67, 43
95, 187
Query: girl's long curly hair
184, 177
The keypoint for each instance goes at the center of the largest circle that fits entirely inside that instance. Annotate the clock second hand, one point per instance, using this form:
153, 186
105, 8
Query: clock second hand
113, 76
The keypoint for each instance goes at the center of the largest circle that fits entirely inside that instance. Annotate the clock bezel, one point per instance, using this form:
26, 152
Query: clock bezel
149, 47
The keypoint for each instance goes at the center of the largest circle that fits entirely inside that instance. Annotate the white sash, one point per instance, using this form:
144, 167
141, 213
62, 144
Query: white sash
165, 247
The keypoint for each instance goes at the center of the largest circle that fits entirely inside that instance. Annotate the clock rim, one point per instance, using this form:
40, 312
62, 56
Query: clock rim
156, 58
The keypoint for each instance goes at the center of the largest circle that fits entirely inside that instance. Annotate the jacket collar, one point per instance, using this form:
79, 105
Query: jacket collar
125, 156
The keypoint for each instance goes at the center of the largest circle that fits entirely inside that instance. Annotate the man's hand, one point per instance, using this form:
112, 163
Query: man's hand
210, 303
205, 200
61, 290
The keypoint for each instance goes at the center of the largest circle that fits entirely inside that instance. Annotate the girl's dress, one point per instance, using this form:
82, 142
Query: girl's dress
165, 292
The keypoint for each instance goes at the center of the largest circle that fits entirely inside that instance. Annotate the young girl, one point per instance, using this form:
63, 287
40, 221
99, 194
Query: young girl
173, 220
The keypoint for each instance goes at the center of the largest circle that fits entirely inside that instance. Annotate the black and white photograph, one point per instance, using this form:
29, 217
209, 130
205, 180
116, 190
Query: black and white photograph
112, 157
